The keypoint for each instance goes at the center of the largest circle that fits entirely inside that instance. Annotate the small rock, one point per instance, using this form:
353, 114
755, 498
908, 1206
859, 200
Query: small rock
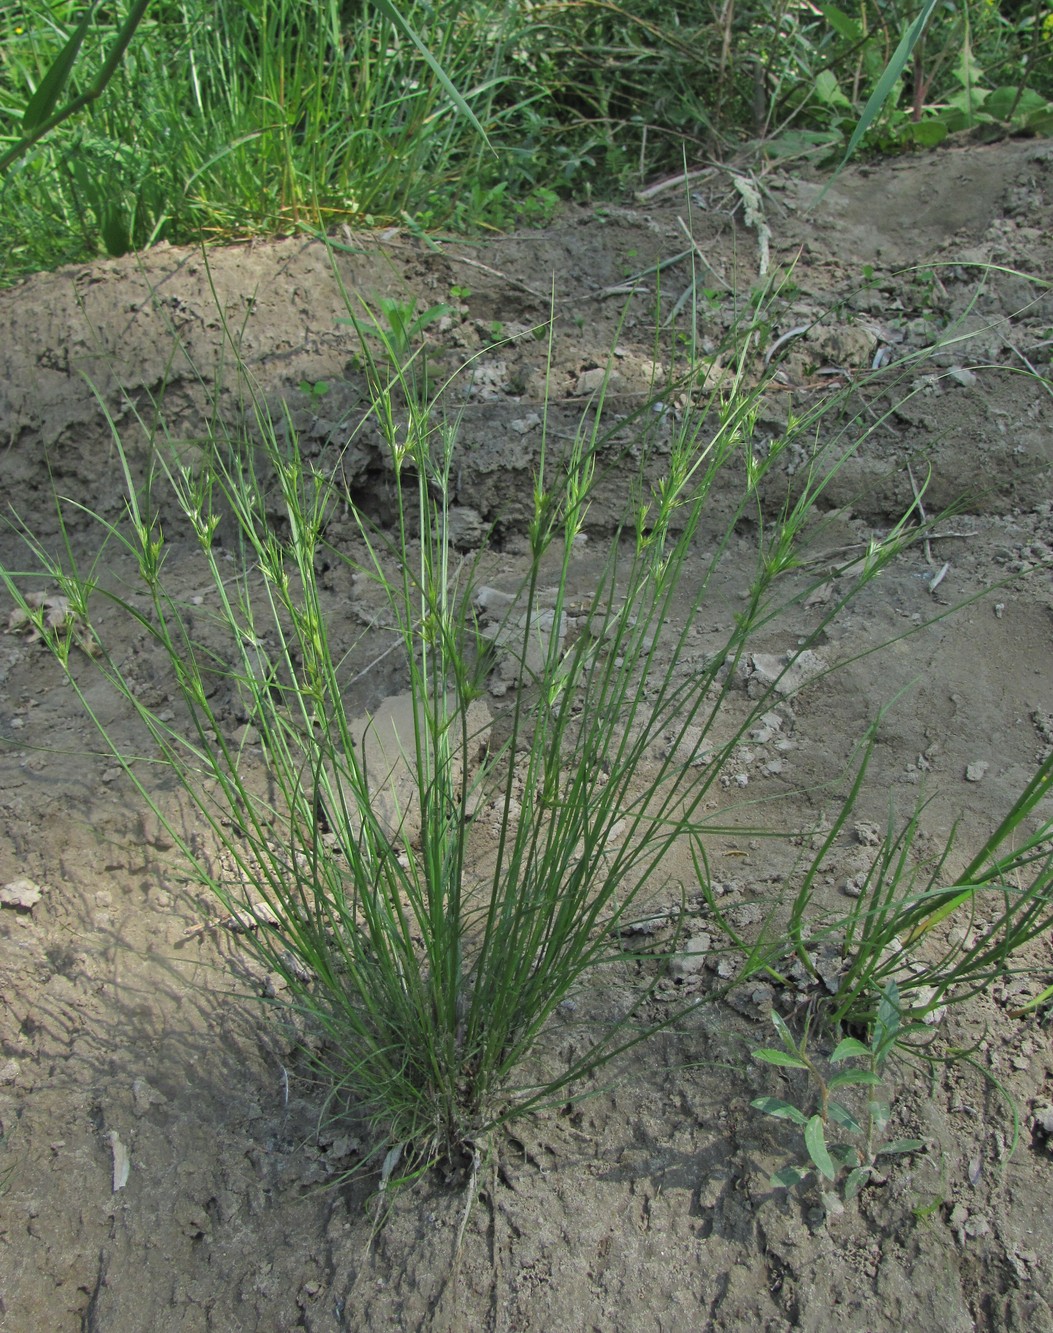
786, 673
21, 894
975, 772
465, 528
832, 1205
752, 1001
144, 1096
768, 725
693, 958
592, 381
867, 834
1043, 1115
649, 925
492, 599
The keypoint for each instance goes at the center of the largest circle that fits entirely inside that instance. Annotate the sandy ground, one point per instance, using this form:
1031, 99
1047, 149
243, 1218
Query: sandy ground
128, 1043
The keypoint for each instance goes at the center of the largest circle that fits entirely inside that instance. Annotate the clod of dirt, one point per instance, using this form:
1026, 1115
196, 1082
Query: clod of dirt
21, 894
692, 959
783, 672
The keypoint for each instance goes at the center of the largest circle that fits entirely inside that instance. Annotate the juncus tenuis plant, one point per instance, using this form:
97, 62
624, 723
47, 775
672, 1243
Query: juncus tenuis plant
425, 966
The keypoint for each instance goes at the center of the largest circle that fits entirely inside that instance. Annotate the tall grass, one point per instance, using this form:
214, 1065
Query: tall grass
432, 893
431, 930
235, 120
938, 939
230, 120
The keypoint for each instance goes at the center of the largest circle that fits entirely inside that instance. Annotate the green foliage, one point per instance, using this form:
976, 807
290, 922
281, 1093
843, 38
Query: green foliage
864, 1068
399, 327
946, 942
187, 119
247, 119
864, 76
424, 971
44, 107
939, 939
314, 391
393, 344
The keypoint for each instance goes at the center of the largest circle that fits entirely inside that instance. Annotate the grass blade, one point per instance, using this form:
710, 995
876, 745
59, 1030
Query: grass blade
42, 104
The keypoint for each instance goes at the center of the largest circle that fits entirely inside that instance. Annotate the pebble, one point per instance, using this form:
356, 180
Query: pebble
592, 381
693, 958
21, 894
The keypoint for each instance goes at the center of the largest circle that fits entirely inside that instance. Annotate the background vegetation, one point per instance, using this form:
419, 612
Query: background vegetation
227, 120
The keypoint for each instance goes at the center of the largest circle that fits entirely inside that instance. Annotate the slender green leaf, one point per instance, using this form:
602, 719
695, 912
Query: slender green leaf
844, 1154
855, 1180
46, 98
770, 1056
787, 1178
890, 77
841, 23
844, 1117
928, 133
785, 1035
815, 1142
780, 1109
900, 1146
828, 90
395, 16
889, 1016
848, 1049
857, 1077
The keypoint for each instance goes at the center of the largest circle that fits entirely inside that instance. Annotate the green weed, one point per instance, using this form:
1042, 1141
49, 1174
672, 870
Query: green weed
315, 390
854, 1158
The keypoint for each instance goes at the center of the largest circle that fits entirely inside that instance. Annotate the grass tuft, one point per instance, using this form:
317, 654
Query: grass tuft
433, 884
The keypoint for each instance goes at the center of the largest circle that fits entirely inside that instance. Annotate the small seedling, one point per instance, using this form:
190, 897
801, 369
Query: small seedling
398, 326
828, 1160
314, 391
398, 330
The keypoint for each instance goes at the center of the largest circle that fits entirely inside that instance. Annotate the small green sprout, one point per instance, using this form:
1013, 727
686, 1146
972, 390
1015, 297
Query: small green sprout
828, 1159
399, 327
314, 390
